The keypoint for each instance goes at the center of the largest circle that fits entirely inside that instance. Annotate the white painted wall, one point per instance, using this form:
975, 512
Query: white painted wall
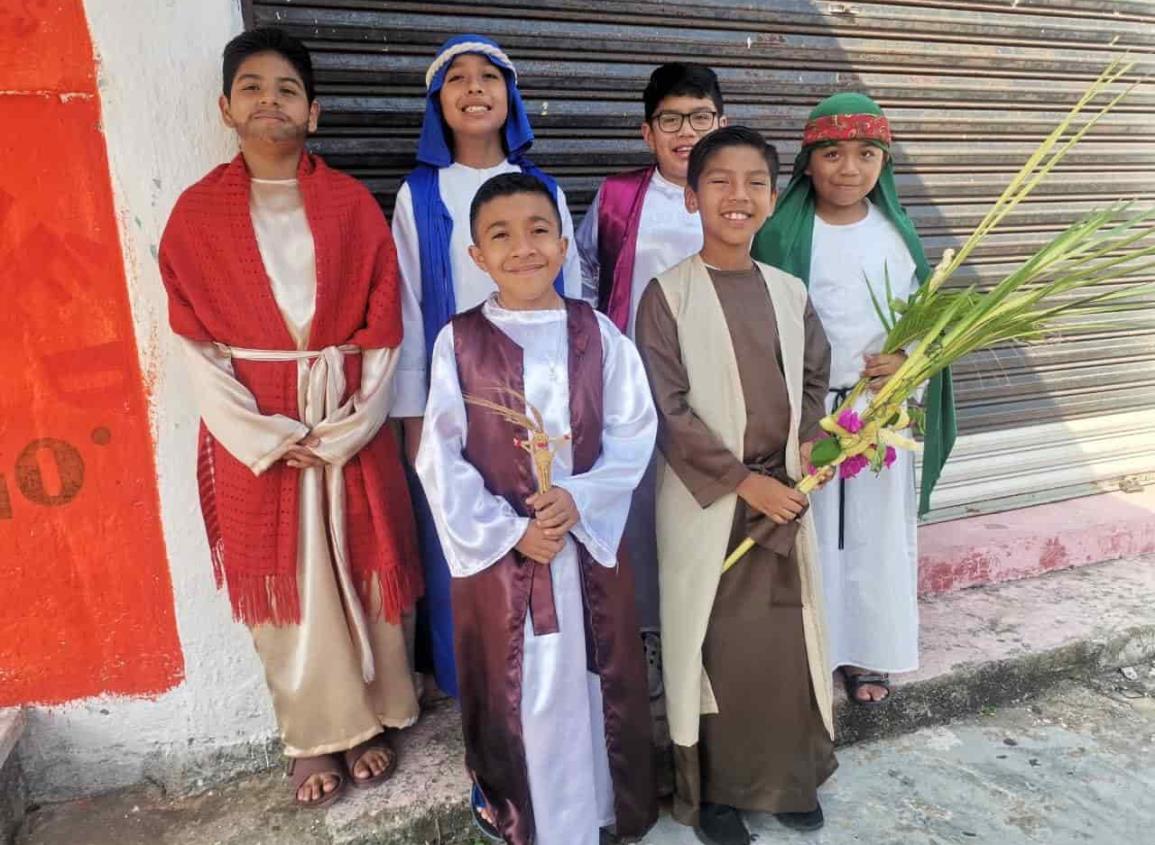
159, 77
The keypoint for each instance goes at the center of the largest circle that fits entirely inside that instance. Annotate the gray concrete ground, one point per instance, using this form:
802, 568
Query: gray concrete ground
1073, 767
1079, 766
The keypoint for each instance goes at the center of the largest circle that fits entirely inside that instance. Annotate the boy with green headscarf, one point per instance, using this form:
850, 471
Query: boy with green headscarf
839, 226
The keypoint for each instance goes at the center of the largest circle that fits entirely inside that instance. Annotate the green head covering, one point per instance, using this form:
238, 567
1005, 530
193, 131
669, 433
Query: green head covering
785, 242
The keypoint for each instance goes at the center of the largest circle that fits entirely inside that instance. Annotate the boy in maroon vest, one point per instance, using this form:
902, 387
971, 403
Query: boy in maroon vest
636, 229
538, 427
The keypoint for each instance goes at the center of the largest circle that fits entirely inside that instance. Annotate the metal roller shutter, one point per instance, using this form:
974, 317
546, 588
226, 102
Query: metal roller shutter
969, 86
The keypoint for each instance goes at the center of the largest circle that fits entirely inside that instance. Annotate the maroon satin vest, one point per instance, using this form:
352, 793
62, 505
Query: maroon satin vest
489, 608
619, 216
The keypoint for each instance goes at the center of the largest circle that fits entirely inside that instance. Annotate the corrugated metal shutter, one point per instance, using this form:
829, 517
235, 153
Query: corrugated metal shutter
970, 86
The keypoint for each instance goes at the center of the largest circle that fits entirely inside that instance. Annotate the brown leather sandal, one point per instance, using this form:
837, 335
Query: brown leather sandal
354, 754
303, 768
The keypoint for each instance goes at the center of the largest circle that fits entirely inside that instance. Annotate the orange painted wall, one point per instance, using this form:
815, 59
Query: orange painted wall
86, 602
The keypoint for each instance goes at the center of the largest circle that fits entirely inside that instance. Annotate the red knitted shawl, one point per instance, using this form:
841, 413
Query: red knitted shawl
218, 291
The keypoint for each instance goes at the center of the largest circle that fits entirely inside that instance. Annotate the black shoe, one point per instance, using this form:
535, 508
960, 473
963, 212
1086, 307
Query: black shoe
803, 821
722, 825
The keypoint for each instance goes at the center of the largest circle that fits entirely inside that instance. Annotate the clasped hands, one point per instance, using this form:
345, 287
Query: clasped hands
554, 514
302, 456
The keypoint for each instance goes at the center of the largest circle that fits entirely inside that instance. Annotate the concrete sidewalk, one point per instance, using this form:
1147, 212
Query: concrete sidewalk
982, 649
1075, 767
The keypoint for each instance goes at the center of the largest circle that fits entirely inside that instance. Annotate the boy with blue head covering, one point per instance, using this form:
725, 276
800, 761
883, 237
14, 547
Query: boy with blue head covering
475, 127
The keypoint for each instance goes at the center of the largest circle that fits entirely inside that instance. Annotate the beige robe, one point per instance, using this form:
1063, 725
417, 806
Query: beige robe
689, 535
344, 672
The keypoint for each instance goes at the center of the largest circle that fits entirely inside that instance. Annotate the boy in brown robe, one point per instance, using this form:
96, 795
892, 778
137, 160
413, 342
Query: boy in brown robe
738, 363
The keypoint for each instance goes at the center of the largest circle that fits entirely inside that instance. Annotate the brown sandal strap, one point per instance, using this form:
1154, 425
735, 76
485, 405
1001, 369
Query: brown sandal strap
303, 768
379, 742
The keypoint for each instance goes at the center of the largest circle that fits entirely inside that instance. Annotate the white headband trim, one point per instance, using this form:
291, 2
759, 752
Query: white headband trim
467, 47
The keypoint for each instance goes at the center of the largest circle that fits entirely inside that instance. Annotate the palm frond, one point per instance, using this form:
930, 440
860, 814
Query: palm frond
510, 415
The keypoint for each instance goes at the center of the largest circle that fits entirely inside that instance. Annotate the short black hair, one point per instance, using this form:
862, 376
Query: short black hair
508, 185
681, 79
267, 39
730, 136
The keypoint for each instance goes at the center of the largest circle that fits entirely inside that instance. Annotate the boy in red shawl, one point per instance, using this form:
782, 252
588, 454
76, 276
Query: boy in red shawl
282, 285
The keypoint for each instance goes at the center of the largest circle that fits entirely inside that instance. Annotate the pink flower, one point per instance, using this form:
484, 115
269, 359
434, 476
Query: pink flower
850, 421
852, 466
890, 457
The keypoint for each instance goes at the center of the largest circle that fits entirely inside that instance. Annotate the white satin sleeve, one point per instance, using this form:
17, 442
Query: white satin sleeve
410, 385
572, 282
476, 528
230, 411
347, 433
630, 424
586, 238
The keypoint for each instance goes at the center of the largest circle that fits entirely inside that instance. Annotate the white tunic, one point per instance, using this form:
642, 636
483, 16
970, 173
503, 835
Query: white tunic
871, 585
561, 702
667, 235
471, 285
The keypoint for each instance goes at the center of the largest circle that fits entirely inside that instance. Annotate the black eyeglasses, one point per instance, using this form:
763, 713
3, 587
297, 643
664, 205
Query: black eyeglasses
672, 121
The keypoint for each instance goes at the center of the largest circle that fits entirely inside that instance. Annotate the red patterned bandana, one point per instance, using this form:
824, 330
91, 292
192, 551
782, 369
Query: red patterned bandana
846, 127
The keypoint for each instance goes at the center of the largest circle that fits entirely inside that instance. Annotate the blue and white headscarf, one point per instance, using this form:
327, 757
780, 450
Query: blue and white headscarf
434, 151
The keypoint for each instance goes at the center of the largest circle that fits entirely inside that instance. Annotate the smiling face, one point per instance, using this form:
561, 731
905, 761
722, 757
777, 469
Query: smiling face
844, 173
518, 242
267, 102
473, 96
672, 149
734, 197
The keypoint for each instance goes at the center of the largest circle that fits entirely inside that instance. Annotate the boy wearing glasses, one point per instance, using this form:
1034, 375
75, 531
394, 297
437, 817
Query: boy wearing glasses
637, 228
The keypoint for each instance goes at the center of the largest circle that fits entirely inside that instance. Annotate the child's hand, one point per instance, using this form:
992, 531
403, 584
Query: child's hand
806, 449
879, 368
771, 497
824, 475
302, 455
538, 547
554, 511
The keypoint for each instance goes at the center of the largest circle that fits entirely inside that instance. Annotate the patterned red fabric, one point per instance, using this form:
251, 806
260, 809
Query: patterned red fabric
218, 291
846, 127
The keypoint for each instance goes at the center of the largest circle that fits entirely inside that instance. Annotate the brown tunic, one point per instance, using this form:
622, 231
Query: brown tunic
757, 611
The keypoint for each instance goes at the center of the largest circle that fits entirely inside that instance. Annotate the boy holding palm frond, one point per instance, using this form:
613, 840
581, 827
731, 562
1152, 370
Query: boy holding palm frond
538, 428
738, 364
840, 228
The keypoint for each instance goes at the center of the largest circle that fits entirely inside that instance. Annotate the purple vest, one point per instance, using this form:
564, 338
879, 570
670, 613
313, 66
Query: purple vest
619, 213
490, 607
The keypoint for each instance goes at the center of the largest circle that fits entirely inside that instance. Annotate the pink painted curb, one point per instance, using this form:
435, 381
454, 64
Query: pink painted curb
1007, 546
